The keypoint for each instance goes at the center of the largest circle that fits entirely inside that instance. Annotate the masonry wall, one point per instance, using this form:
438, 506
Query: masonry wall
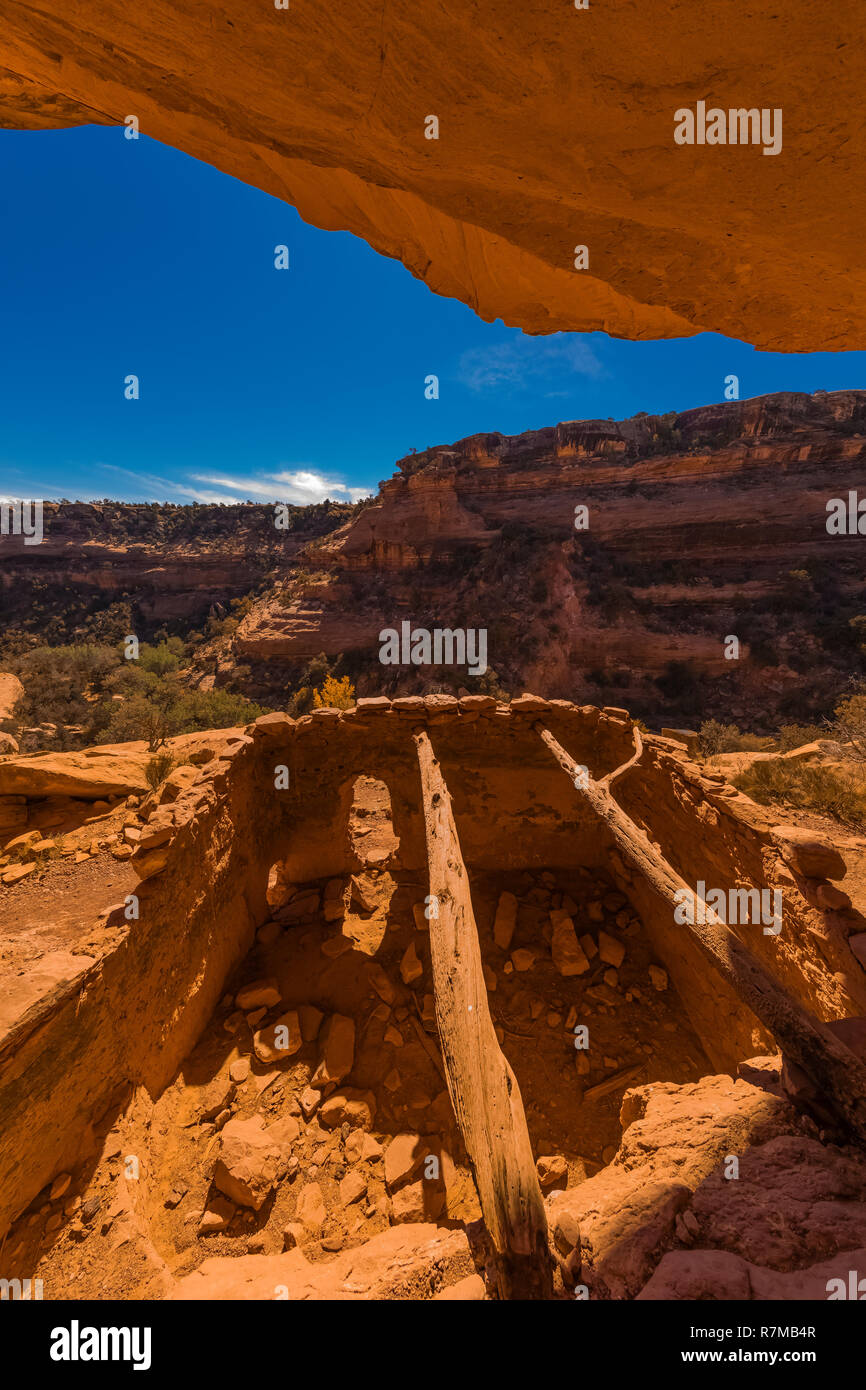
148, 986
707, 831
134, 1013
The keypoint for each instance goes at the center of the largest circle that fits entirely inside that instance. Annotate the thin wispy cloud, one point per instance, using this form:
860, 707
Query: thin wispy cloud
295, 486
525, 362
28, 487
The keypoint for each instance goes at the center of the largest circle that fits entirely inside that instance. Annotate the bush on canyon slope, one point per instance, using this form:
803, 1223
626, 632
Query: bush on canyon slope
94, 695
162, 710
61, 683
797, 735
161, 659
830, 791
334, 694
850, 723
714, 737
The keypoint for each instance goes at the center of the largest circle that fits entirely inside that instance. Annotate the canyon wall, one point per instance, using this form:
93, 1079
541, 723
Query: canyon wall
658, 487
172, 562
698, 525
556, 130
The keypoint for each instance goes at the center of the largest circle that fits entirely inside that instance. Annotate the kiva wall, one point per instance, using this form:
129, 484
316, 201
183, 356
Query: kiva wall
148, 986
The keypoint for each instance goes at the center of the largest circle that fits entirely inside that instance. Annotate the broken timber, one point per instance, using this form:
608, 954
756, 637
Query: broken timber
482, 1086
839, 1074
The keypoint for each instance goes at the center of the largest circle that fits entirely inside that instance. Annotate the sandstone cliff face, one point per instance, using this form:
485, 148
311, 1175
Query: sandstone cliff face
656, 481
695, 523
172, 562
556, 130
699, 525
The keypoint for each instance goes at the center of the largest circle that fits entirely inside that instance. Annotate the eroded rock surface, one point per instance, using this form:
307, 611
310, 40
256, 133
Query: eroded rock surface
717, 1191
417, 1262
486, 526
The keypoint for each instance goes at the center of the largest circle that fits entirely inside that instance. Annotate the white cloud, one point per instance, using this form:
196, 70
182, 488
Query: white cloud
522, 361
299, 486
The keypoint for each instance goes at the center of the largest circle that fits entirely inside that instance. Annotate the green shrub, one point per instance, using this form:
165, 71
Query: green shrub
301, 702
162, 709
57, 681
161, 659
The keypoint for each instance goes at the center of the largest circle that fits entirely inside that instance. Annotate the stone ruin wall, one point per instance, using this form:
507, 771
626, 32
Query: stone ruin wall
147, 988
706, 830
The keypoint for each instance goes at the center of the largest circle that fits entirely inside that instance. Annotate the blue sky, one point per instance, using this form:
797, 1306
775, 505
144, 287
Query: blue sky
121, 256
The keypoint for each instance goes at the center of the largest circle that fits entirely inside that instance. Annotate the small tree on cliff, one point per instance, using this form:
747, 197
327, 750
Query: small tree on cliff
151, 714
714, 737
849, 725
334, 694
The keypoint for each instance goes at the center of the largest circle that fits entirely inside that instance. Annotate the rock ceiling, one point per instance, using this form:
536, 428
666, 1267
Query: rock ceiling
556, 130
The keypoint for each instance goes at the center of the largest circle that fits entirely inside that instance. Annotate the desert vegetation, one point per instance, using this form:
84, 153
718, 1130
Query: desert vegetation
833, 784
837, 792
83, 694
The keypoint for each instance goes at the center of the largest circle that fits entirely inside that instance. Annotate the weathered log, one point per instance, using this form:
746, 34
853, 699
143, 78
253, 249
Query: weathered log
830, 1065
635, 758
482, 1086
614, 1083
